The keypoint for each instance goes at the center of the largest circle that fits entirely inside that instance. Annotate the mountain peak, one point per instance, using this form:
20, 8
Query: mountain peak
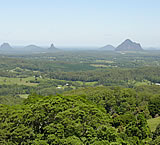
52, 47
129, 45
32, 47
128, 41
108, 47
5, 46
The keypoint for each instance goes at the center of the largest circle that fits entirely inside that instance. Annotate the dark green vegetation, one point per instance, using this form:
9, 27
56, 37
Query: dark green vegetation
81, 97
94, 115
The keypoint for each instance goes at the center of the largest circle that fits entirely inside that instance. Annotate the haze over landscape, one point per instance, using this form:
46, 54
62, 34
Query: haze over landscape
82, 23
79, 72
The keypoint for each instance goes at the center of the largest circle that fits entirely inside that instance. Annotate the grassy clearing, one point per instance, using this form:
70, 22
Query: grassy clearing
86, 83
136, 83
90, 83
24, 96
141, 84
99, 65
104, 61
153, 123
18, 81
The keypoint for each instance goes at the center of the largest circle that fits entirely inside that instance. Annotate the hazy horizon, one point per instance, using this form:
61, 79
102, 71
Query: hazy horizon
80, 23
18, 47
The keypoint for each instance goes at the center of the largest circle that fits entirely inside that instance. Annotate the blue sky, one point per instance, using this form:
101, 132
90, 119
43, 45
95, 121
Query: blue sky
79, 22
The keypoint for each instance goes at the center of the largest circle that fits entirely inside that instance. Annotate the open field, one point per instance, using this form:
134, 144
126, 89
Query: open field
24, 96
153, 123
99, 65
18, 81
104, 61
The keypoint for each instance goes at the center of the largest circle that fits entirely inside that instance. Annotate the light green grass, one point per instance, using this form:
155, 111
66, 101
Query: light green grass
26, 81
141, 83
104, 61
136, 83
153, 123
99, 65
18, 81
86, 83
24, 96
90, 83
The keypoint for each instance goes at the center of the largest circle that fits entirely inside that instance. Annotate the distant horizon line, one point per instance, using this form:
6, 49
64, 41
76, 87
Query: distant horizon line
72, 46
77, 47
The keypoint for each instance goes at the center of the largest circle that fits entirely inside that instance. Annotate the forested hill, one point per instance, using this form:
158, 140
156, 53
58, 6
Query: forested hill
95, 115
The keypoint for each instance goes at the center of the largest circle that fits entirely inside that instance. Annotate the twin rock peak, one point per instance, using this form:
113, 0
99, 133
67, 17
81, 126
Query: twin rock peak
127, 45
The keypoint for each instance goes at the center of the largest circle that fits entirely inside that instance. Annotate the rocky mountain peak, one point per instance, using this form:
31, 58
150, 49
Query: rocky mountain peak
129, 45
5, 46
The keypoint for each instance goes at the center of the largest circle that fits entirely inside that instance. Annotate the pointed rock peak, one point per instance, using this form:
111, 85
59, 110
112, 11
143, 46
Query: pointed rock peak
52, 46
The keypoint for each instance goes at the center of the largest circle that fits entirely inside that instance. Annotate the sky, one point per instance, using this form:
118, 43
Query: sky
70, 23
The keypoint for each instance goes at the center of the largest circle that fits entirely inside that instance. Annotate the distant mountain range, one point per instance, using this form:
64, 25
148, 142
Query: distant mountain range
6, 47
127, 45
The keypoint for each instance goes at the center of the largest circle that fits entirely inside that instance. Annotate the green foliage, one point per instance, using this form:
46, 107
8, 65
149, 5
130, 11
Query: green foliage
156, 141
157, 131
55, 120
74, 119
154, 105
138, 128
115, 100
88, 115
10, 100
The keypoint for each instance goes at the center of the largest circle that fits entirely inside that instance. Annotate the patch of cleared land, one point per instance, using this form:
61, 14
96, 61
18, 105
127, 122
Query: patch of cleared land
99, 65
18, 81
104, 61
24, 96
153, 123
